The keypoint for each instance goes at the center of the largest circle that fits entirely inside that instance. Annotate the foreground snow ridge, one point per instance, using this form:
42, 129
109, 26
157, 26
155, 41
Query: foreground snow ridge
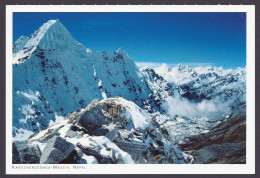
112, 130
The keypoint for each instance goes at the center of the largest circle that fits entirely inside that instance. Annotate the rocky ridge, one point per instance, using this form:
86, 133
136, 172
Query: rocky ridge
110, 131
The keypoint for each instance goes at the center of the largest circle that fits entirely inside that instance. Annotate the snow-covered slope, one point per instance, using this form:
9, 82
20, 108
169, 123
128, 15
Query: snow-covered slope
206, 83
161, 90
195, 100
110, 131
20, 43
53, 74
118, 75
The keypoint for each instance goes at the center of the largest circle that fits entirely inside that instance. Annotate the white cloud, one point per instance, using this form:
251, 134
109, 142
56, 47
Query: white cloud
212, 109
141, 65
148, 64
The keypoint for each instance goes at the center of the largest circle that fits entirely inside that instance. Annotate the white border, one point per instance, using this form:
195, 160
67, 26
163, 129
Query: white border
248, 168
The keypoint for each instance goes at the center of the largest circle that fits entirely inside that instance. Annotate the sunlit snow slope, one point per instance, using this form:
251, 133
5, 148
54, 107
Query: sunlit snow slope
53, 75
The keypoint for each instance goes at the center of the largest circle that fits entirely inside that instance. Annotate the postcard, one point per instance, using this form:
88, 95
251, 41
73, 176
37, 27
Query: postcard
130, 89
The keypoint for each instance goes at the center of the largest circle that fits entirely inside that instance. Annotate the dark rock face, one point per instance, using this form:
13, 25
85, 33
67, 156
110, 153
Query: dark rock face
56, 150
71, 134
223, 144
93, 117
112, 133
25, 153
73, 158
135, 149
226, 153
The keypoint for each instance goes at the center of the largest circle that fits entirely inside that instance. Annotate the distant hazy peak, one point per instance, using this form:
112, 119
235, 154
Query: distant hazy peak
182, 67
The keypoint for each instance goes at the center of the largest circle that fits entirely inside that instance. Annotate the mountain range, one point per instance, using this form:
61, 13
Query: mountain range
103, 109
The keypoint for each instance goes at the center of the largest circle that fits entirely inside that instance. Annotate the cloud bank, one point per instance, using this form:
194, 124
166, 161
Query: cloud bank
142, 65
213, 109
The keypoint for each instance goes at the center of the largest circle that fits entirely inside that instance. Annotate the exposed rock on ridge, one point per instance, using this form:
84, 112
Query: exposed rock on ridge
117, 136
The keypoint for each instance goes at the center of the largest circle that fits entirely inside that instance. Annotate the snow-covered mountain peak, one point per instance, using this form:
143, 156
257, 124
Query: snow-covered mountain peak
88, 50
121, 51
57, 37
24, 47
68, 76
184, 68
51, 35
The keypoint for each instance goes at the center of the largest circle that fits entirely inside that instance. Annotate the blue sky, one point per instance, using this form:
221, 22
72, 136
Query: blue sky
218, 39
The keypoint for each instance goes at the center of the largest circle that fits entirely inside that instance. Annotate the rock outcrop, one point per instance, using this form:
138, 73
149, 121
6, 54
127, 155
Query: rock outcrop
25, 153
56, 150
110, 131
